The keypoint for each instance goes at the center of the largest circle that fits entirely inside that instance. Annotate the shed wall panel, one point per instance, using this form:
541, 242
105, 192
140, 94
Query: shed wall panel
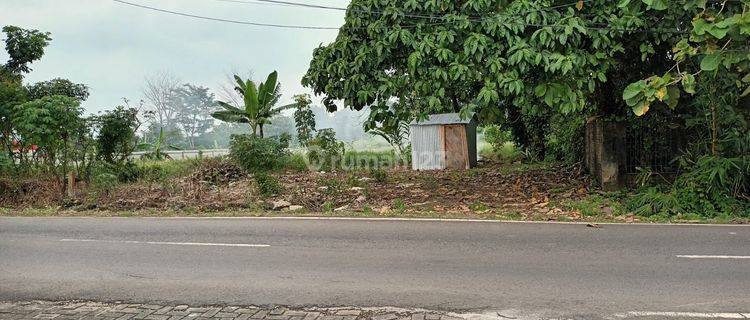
426, 148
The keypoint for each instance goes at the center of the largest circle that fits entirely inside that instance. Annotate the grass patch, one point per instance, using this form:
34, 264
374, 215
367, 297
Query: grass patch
158, 171
507, 153
596, 206
267, 185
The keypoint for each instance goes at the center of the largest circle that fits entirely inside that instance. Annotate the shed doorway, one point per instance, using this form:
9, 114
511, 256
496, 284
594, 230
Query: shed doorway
455, 150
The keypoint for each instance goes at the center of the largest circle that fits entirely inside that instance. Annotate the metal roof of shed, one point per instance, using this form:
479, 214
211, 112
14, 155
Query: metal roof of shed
445, 118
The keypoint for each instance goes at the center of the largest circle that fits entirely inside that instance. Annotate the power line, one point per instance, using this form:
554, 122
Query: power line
251, 23
285, 26
377, 12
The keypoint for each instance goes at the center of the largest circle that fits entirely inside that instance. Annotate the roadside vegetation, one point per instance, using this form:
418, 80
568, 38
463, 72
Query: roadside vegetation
532, 84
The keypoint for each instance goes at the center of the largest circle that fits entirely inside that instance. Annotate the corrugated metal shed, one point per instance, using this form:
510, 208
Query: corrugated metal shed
445, 118
444, 141
425, 148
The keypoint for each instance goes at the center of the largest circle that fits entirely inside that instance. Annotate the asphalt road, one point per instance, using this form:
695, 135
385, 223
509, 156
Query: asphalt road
552, 269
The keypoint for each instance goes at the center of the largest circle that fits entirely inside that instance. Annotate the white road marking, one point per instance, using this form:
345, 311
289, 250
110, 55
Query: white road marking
712, 257
172, 243
717, 315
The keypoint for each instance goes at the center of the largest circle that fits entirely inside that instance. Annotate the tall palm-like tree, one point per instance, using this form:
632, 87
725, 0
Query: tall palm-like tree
259, 103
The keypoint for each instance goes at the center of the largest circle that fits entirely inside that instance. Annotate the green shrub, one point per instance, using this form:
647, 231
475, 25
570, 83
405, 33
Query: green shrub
267, 185
156, 171
379, 175
256, 154
105, 181
123, 173
496, 136
565, 138
296, 162
117, 140
399, 205
711, 187
653, 201
6, 166
325, 151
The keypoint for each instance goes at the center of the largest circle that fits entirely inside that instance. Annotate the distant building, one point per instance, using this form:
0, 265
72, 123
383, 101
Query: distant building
444, 141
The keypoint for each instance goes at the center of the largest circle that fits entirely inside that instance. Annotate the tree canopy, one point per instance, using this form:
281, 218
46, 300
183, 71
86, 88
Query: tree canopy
23, 47
532, 56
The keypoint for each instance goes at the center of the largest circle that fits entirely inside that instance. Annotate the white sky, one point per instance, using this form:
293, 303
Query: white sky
112, 47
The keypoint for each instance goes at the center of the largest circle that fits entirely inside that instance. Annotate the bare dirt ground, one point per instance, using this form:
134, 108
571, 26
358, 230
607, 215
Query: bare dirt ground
493, 190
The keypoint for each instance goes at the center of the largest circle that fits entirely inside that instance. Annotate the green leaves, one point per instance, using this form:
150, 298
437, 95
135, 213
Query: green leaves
718, 39
656, 4
259, 102
489, 94
633, 90
688, 83
711, 62
641, 95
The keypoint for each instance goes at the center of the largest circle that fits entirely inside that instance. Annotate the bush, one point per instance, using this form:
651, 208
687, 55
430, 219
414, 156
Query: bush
325, 151
267, 185
565, 139
116, 140
296, 162
379, 175
496, 137
6, 166
256, 154
712, 186
156, 171
123, 173
105, 180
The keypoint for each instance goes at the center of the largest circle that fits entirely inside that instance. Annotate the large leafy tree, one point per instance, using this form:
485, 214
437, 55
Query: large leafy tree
259, 103
437, 56
304, 119
710, 58
117, 139
194, 113
518, 62
58, 87
52, 124
23, 47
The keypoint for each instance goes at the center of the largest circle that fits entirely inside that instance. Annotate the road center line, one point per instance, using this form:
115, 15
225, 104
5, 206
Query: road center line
172, 243
712, 257
718, 315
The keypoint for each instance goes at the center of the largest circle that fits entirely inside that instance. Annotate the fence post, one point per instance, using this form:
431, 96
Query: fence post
71, 184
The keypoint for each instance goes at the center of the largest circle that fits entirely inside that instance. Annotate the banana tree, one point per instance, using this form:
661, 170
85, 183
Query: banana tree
156, 148
259, 103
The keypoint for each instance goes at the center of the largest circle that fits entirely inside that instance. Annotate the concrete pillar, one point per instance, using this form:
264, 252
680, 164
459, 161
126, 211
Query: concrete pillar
605, 152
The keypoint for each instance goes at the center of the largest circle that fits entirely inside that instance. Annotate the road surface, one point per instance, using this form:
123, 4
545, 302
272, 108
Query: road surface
551, 269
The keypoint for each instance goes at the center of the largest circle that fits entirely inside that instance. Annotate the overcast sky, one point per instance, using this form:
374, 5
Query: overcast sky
112, 47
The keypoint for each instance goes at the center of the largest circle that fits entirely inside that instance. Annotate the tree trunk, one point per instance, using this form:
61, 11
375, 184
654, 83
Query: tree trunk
261, 131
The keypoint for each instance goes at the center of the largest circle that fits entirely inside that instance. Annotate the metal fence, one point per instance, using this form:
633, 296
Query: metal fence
653, 147
187, 154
